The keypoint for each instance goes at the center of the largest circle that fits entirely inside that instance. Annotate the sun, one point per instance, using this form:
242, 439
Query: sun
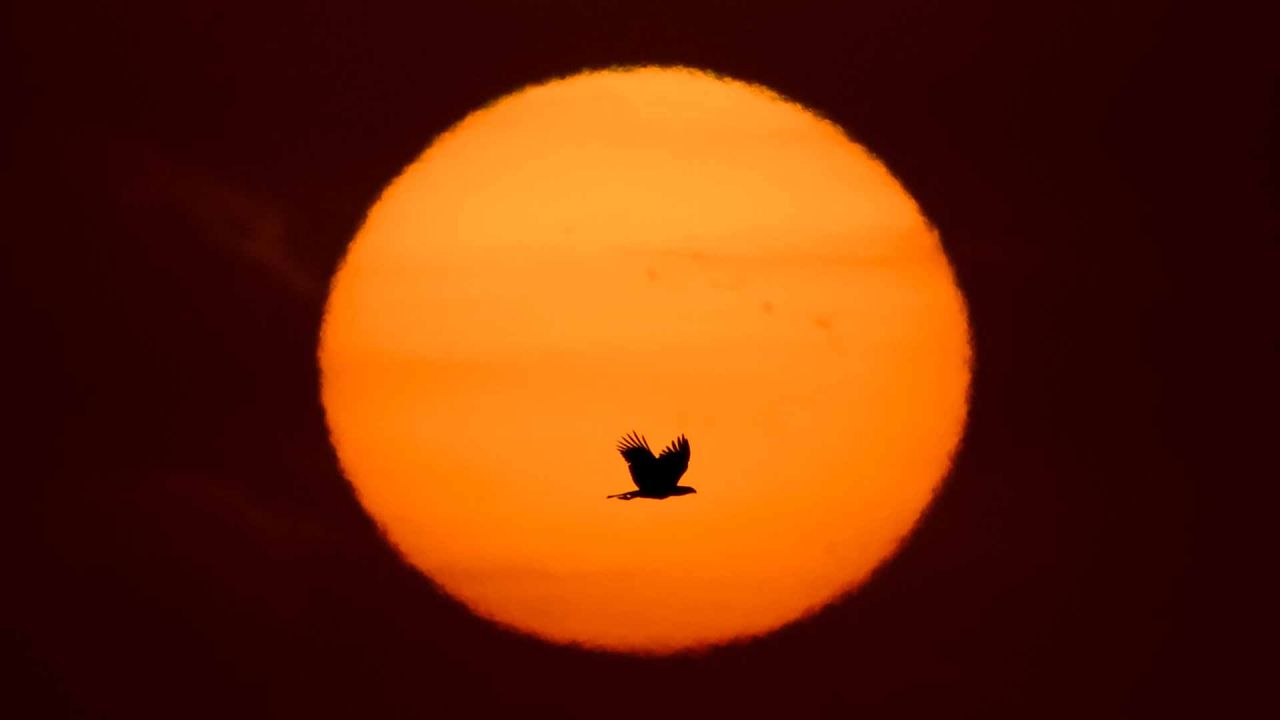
662, 250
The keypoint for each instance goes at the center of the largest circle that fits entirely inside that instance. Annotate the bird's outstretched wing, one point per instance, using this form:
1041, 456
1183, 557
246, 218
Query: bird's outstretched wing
674, 460
640, 460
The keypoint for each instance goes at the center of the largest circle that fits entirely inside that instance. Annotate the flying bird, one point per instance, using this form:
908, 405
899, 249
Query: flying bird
656, 477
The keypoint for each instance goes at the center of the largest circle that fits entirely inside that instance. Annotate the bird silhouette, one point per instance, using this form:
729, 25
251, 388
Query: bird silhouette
656, 477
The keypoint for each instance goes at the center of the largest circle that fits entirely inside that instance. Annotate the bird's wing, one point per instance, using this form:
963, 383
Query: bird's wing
674, 459
640, 460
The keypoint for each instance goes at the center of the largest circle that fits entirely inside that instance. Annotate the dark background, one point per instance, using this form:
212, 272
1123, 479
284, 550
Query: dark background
184, 177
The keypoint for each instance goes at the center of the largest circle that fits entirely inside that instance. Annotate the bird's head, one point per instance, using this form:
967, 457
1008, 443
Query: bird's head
683, 490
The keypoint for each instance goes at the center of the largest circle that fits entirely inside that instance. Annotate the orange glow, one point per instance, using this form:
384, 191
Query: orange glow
661, 250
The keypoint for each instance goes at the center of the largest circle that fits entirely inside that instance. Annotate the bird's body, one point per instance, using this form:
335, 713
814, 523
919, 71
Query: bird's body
656, 478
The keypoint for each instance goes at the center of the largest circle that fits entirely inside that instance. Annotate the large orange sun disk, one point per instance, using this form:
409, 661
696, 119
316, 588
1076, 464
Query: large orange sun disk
657, 249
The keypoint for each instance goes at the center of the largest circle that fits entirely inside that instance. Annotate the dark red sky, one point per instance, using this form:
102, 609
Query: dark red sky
185, 179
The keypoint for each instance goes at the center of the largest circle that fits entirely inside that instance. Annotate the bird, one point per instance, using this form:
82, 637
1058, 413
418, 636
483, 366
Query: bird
656, 477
